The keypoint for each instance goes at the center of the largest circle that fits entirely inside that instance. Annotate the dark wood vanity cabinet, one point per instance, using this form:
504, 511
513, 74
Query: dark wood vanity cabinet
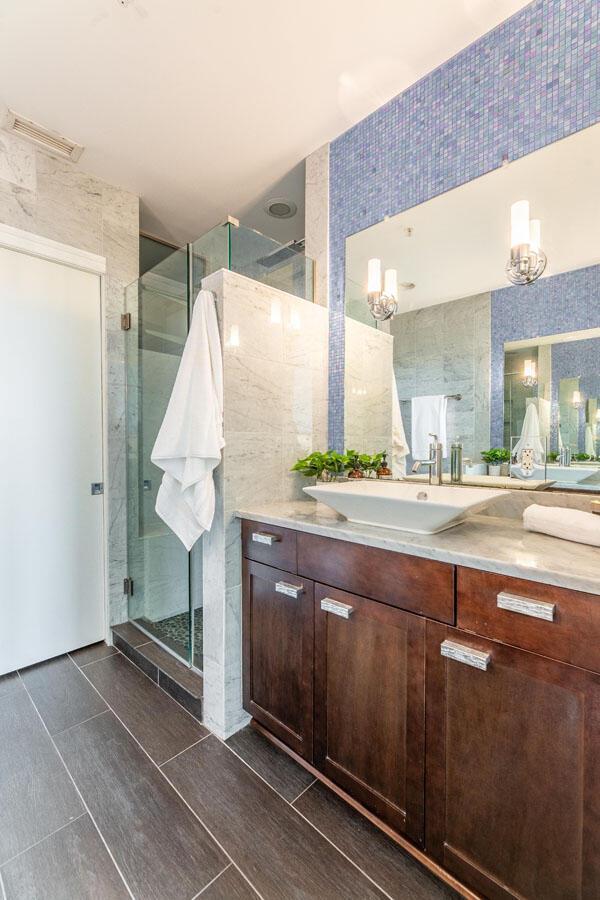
278, 628
513, 769
370, 704
462, 708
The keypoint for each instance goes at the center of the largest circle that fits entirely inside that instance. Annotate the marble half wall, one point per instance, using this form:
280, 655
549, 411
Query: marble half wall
275, 410
368, 388
54, 198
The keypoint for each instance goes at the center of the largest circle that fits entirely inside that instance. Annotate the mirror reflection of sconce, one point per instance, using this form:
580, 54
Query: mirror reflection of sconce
529, 373
527, 259
382, 303
577, 400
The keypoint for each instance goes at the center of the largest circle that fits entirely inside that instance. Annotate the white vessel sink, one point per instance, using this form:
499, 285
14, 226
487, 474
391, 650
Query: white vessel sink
573, 473
420, 508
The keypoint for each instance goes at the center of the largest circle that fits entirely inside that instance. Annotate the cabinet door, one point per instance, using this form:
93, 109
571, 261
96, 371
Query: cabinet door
369, 704
513, 769
278, 641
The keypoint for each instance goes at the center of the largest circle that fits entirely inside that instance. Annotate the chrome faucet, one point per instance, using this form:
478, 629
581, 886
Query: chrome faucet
436, 450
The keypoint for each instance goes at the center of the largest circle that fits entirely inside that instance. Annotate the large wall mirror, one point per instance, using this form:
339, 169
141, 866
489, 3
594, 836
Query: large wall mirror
509, 371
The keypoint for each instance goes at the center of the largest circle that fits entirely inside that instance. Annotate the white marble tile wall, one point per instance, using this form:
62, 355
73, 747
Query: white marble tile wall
275, 409
54, 198
368, 388
316, 218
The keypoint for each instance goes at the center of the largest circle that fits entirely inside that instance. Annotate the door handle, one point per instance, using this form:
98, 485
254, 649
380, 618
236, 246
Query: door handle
290, 590
537, 609
265, 537
478, 659
344, 610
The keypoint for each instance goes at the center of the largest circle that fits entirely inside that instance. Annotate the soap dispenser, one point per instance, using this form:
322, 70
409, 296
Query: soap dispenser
456, 461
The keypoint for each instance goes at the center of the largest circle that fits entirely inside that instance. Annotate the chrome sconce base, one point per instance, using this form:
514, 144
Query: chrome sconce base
525, 265
529, 381
383, 306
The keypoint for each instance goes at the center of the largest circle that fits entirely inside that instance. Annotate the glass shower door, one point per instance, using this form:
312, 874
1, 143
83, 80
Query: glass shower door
159, 565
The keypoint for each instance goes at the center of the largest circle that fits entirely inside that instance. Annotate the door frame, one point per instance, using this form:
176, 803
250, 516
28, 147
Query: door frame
44, 248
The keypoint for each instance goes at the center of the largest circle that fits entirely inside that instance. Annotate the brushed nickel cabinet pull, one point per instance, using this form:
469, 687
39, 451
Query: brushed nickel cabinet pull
290, 590
338, 609
265, 537
479, 659
526, 607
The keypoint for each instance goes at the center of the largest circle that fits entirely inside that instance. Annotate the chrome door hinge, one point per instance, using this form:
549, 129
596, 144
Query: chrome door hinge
97, 488
128, 586
125, 321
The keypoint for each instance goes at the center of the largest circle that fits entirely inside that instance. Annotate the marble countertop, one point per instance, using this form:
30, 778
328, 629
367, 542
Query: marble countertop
485, 542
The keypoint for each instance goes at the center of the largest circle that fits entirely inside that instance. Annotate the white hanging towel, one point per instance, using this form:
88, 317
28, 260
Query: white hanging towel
189, 443
590, 446
530, 436
400, 448
428, 417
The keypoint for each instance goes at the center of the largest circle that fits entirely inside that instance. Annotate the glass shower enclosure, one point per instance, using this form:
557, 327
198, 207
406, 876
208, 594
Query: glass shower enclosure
164, 580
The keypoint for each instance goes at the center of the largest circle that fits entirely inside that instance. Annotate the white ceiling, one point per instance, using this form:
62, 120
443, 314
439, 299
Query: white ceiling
202, 106
460, 241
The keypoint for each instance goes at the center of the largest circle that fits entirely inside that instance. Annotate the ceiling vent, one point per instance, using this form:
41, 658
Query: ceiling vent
280, 208
37, 134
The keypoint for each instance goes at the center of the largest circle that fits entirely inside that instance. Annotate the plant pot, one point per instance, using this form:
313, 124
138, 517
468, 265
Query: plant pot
355, 473
505, 470
496, 471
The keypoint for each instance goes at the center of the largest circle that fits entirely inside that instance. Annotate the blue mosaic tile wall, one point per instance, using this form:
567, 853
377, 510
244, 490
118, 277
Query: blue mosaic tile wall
577, 358
566, 302
531, 81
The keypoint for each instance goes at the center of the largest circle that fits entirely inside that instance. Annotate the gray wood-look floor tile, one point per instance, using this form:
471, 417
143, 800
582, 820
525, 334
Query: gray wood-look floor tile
10, 682
161, 726
61, 693
131, 634
36, 794
86, 655
401, 876
229, 886
282, 855
72, 864
286, 776
180, 673
162, 850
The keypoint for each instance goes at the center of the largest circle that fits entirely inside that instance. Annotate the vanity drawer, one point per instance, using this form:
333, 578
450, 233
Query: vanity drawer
422, 586
554, 622
270, 545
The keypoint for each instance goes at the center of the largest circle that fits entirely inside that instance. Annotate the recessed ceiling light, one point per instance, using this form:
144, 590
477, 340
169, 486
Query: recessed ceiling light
280, 208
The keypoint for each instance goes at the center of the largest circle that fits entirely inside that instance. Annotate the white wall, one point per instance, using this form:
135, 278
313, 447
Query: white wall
53, 197
275, 410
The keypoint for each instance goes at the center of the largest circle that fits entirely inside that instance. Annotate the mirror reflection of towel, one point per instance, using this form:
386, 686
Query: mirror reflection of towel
590, 447
428, 417
400, 448
530, 436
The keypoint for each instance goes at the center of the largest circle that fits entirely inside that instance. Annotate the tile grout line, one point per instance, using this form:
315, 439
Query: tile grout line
297, 811
185, 749
169, 782
41, 840
79, 794
206, 886
92, 661
83, 721
307, 788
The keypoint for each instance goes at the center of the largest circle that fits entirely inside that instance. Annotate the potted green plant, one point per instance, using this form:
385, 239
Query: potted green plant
321, 466
553, 456
495, 458
582, 457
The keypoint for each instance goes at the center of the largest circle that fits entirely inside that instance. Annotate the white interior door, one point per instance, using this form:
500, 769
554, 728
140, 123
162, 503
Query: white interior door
51, 526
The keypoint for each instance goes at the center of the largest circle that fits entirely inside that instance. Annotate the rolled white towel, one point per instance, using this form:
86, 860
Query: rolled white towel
567, 524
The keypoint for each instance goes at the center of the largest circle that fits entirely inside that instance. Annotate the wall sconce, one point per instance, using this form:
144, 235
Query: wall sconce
382, 303
529, 373
577, 400
527, 259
